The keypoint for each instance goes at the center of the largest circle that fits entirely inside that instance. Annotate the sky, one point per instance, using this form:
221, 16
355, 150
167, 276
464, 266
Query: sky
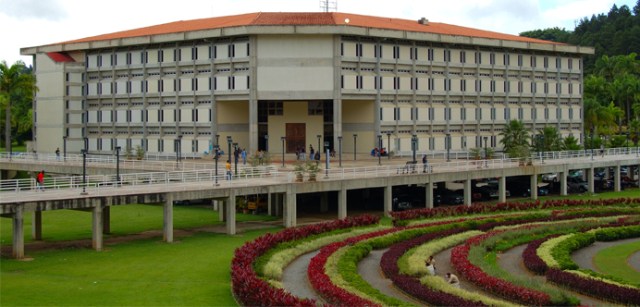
28, 23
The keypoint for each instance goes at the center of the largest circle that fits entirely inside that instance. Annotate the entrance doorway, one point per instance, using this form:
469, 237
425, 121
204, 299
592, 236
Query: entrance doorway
295, 134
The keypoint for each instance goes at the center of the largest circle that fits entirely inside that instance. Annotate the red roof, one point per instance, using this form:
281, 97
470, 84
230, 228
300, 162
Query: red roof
308, 19
60, 57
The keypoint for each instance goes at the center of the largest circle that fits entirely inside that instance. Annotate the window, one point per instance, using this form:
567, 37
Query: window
478, 114
506, 59
492, 58
558, 63
213, 52
546, 113
194, 84
447, 84
160, 56
232, 50
430, 54
359, 49
314, 107
114, 60
492, 86
520, 86
396, 113
231, 82
128, 116
414, 83
377, 51
160, 116
493, 113
558, 88
520, 114
99, 60
570, 63
478, 57
128, 58
520, 60
570, 113
463, 114
533, 61
128, 87
144, 86
194, 53
414, 53
160, 145
546, 62
144, 57
432, 143
431, 84
570, 88
431, 114
463, 57
378, 82
507, 114
507, 86
533, 87
463, 85
414, 113
534, 113
396, 83
478, 86
558, 113
447, 113
177, 55
160, 86
546, 88
396, 52
447, 55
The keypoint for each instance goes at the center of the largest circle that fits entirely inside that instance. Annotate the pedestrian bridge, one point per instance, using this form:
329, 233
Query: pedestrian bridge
99, 192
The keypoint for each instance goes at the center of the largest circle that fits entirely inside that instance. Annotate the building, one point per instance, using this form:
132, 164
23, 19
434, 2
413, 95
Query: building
310, 78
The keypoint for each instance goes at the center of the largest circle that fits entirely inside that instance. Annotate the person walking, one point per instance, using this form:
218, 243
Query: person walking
228, 168
425, 163
40, 181
244, 156
58, 153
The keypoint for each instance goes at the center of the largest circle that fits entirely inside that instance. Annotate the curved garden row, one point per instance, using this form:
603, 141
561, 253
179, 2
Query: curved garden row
342, 285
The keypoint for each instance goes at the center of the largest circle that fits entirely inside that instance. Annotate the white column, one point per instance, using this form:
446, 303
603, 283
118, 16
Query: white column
467, 192
167, 222
388, 203
563, 183
18, 233
96, 229
502, 189
429, 194
534, 187
230, 210
342, 203
590, 180
616, 177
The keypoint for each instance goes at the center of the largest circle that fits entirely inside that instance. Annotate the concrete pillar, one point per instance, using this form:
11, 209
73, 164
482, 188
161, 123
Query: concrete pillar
253, 124
502, 189
324, 202
18, 233
96, 226
429, 195
36, 226
106, 219
388, 200
230, 209
534, 187
290, 207
616, 177
269, 203
167, 221
590, 179
214, 205
342, 203
467, 192
563, 183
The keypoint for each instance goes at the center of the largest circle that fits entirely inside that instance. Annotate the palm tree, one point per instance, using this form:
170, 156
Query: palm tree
571, 143
551, 139
514, 135
15, 83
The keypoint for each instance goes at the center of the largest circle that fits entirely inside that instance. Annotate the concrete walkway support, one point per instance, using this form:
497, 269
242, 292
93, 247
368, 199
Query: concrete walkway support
467, 193
96, 225
502, 189
342, 203
230, 209
270, 202
590, 179
18, 233
616, 178
563, 183
534, 186
428, 197
290, 217
167, 222
36, 226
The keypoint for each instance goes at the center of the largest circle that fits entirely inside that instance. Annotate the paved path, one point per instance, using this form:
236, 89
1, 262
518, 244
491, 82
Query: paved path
294, 278
584, 257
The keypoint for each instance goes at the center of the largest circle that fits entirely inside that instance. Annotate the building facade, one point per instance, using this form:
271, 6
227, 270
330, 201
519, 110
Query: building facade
289, 80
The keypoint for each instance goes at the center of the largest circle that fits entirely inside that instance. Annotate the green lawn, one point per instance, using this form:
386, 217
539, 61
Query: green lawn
191, 272
613, 261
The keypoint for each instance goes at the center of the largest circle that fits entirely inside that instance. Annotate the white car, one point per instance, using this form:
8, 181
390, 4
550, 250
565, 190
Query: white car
550, 177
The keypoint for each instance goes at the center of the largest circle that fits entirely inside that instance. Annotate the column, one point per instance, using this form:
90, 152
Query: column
534, 186
290, 211
269, 203
230, 209
563, 183
590, 179
167, 221
342, 203
96, 227
106, 219
18, 233
616, 177
467, 192
428, 197
36, 226
502, 189
388, 204
253, 125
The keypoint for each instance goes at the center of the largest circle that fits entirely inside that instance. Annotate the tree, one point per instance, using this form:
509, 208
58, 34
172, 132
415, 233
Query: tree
551, 140
16, 84
571, 143
514, 135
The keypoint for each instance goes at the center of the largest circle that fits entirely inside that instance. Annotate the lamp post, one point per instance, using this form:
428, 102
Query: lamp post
216, 149
217, 138
379, 146
340, 151
626, 143
319, 137
414, 144
283, 138
118, 165
86, 143
542, 148
591, 143
448, 144
229, 141
84, 172
64, 148
266, 142
178, 145
486, 156
326, 159
235, 157
389, 145
355, 137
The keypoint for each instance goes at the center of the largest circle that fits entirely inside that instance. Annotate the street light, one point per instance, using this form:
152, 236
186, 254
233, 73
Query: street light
448, 144
64, 148
340, 151
84, 172
379, 146
326, 159
178, 145
266, 142
319, 137
235, 157
414, 143
591, 142
486, 156
389, 145
542, 148
283, 138
355, 137
229, 141
118, 165
86, 143
216, 149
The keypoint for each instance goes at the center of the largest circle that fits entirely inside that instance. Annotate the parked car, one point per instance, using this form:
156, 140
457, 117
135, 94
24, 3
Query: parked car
520, 186
402, 202
448, 197
551, 177
577, 185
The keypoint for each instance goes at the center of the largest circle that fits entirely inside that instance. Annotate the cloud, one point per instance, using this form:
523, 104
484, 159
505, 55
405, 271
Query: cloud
33, 9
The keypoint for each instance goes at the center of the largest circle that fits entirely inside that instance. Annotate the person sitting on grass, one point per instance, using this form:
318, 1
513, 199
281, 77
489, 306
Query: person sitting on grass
453, 280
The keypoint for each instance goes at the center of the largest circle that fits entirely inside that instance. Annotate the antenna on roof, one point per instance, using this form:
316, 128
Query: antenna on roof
329, 5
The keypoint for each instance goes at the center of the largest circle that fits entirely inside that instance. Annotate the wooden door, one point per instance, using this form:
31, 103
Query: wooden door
295, 136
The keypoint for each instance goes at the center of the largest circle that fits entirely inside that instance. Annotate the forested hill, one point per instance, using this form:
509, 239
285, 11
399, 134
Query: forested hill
614, 33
